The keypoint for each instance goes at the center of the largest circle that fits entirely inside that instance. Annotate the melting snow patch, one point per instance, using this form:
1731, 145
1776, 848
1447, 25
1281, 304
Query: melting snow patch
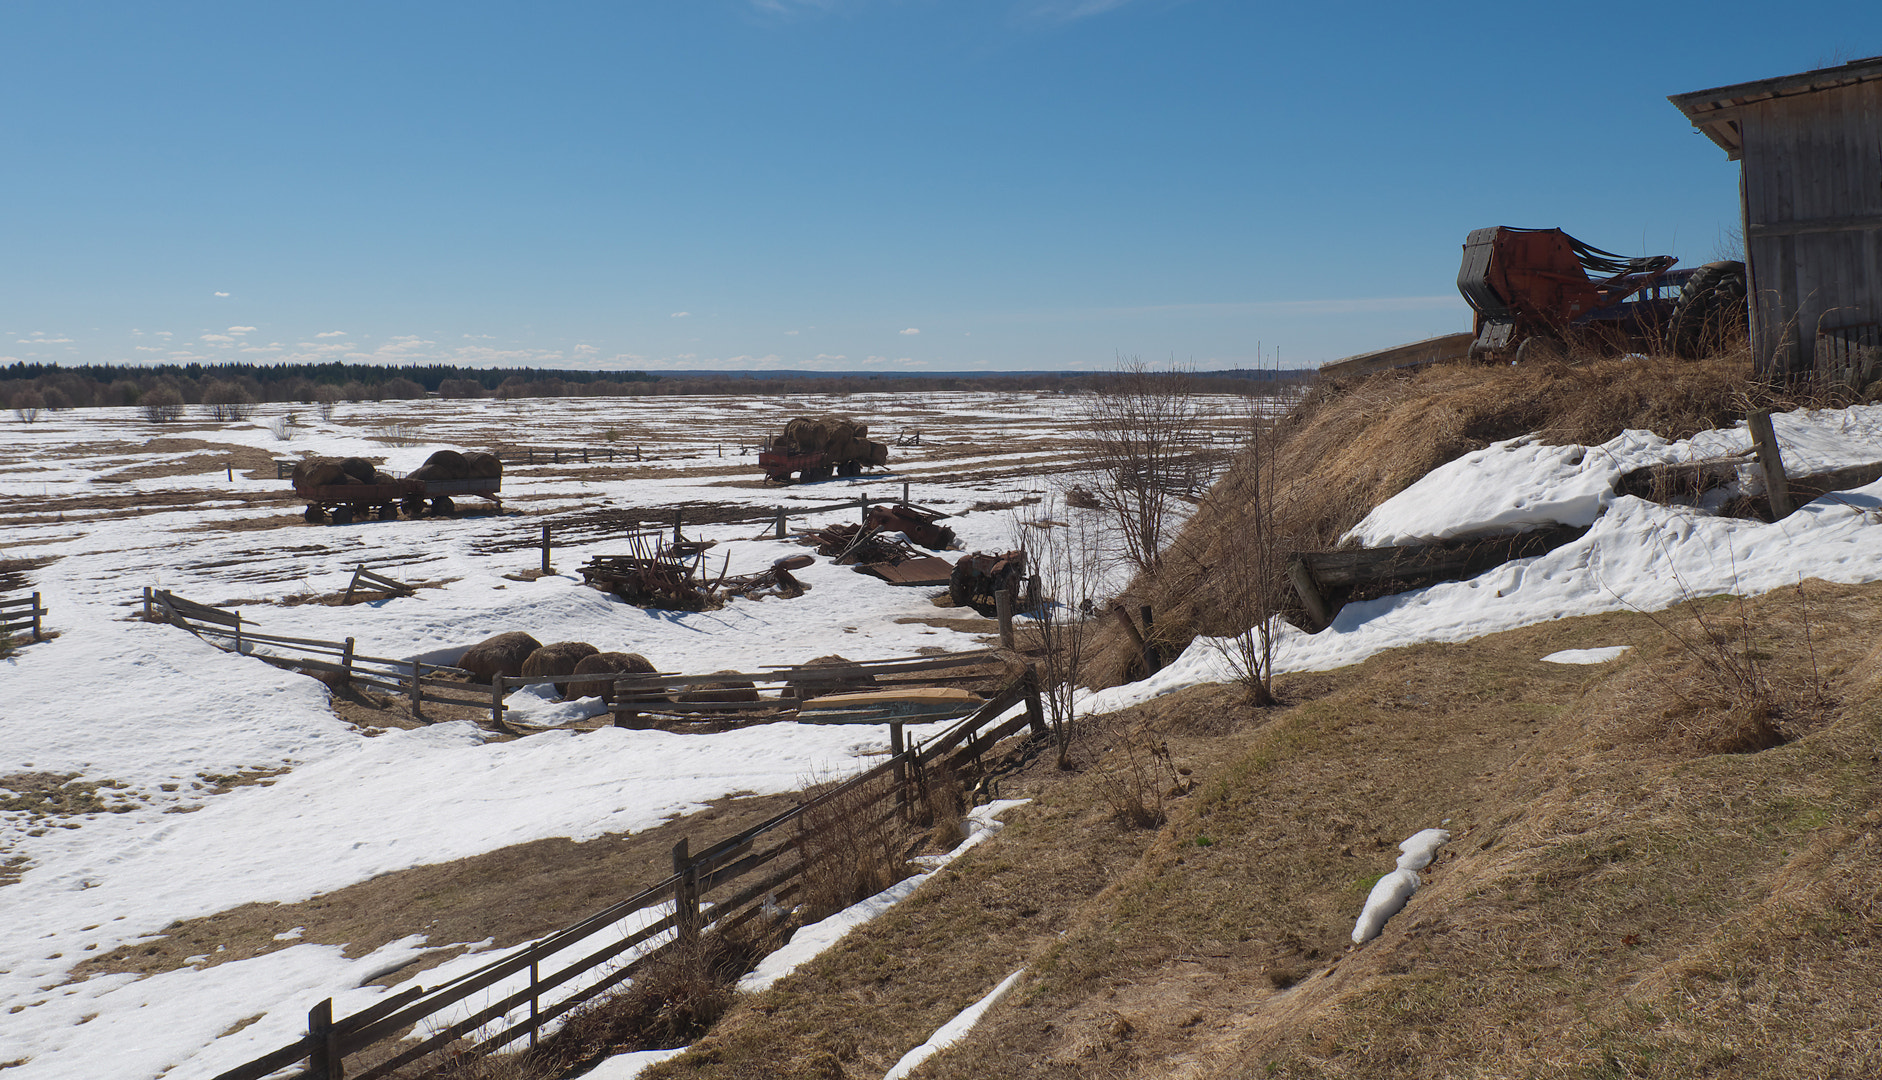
1586, 656
1389, 896
1421, 847
953, 1031
631, 1064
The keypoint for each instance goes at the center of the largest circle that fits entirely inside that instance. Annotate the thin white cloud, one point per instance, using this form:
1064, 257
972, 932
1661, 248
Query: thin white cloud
827, 356
910, 332
222, 294
165, 333
241, 329
790, 333
330, 333
148, 348
1064, 11
681, 315
216, 337
585, 350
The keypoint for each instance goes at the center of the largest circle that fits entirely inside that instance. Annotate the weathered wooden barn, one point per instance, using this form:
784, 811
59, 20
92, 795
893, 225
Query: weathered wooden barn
1810, 190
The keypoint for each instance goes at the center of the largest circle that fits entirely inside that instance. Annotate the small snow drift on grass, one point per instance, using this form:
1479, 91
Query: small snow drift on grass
1421, 847
953, 1031
1586, 656
1388, 897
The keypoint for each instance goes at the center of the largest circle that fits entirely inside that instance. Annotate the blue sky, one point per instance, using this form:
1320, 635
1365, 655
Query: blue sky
836, 184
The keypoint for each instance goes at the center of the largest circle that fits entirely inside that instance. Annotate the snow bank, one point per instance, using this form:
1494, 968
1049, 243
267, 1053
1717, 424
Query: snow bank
1586, 656
1420, 848
953, 1031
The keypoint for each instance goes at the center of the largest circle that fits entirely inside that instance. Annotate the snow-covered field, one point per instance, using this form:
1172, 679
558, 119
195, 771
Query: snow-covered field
156, 713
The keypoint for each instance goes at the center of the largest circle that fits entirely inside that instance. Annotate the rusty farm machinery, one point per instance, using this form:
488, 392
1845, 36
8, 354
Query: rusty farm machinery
812, 450
1538, 293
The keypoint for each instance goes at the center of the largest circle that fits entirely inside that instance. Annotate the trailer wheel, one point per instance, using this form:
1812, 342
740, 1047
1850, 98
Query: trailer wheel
442, 506
1540, 350
1711, 312
313, 515
342, 515
413, 507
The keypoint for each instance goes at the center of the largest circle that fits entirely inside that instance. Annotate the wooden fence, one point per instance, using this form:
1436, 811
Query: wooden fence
415, 680
535, 985
22, 613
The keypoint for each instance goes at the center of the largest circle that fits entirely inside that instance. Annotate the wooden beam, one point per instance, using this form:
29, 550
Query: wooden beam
1776, 484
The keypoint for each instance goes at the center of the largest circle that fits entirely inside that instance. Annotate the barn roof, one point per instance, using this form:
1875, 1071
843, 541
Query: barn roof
1713, 111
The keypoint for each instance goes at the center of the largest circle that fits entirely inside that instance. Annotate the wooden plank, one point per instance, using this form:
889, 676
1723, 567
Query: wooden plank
273, 1061
1776, 485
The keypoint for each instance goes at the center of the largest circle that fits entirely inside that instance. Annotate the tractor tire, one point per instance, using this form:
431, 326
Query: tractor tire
1540, 350
342, 515
1712, 312
388, 511
314, 515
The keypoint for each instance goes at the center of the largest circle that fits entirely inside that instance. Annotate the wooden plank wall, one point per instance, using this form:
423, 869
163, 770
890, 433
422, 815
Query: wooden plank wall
1812, 194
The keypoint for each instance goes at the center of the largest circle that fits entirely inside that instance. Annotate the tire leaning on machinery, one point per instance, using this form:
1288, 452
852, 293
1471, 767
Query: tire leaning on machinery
1711, 310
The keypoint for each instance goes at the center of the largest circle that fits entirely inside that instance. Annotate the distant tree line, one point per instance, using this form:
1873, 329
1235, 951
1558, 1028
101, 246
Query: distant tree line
230, 391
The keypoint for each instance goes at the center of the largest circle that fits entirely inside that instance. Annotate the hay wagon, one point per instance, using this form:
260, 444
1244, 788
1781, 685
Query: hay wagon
344, 503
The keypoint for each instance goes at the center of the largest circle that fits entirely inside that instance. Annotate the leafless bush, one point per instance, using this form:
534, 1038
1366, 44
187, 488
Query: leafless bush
1064, 547
282, 426
1248, 576
849, 847
162, 404
1139, 779
401, 389
325, 398
1139, 429
228, 401
397, 432
27, 405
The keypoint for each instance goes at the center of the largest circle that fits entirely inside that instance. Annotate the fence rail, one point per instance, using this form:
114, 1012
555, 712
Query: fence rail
23, 613
766, 849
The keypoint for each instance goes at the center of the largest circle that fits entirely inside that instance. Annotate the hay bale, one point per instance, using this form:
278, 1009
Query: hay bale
608, 663
558, 658
878, 453
729, 690
483, 466
383, 477
317, 472
843, 677
500, 655
426, 473
359, 469
450, 464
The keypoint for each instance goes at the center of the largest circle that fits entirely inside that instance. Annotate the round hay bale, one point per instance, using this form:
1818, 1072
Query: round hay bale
383, 477
358, 468
843, 677
608, 663
426, 472
451, 464
483, 465
500, 655
317, 472
730, 690
558, 658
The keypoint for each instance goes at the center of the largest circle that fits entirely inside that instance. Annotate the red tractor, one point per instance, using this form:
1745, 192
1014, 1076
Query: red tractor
1537, 292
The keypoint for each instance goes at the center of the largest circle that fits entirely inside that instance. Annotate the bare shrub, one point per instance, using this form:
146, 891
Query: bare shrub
1139, 428
1140, 778
401, 389
460, 388
1064, 547
228, 401
1247, 578
849, 846
281, 426
325, 397
27, 405
397, 432
162, 404
56, 399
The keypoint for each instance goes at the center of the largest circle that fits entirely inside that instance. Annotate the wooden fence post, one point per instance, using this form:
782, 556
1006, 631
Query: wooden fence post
679, 517
1003, 607
1153, 660
901, 770
38, 610
780, 522
496, 700
685, 903
535, 1022
545, 549
905, 491
864, 503
146, 603
1035, 708
346, 663
1777, 487
238, 633
323, 1058
418, 709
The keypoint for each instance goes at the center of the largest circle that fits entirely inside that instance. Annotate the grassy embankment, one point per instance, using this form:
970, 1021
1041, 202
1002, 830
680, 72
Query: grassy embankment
1641, 884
